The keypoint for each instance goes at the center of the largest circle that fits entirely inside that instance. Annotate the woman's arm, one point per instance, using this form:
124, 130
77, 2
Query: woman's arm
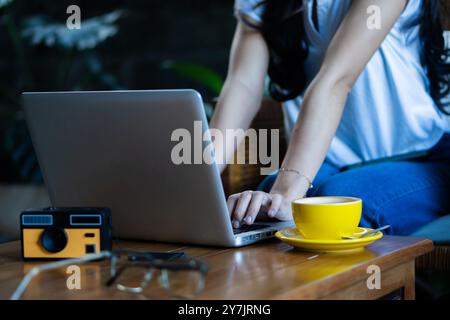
242, 92
347, 55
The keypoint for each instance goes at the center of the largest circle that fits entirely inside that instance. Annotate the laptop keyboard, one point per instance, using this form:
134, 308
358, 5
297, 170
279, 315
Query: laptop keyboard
247, 228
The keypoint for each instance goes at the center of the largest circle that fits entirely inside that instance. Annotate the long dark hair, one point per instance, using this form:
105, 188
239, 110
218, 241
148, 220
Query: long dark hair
283, 30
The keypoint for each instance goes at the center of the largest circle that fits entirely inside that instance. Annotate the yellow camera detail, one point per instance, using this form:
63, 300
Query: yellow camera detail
55, 233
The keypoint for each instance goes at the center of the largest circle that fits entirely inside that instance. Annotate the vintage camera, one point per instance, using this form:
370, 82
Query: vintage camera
54, 233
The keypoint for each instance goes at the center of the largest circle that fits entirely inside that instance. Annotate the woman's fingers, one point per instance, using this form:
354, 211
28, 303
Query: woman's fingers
241, 208
275, 204
232, 201
258, 200
244, 207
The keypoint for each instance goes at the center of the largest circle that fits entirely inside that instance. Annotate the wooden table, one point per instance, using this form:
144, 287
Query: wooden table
267, 270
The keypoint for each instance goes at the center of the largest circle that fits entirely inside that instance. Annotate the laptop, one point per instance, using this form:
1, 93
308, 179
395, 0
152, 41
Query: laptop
114, 149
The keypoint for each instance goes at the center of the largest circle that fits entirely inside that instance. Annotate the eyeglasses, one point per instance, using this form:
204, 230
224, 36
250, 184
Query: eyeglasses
136, 271
133, 271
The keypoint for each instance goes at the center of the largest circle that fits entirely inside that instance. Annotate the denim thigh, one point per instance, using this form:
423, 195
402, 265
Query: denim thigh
404, 194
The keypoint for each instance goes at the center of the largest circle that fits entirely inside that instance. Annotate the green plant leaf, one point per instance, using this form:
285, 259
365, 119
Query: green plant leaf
203, 75
92, 32
4, 3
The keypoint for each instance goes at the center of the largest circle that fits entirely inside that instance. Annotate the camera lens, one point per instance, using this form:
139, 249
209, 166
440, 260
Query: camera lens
54, 239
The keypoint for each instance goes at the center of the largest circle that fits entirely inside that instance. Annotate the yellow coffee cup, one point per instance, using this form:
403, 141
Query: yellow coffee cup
327, 218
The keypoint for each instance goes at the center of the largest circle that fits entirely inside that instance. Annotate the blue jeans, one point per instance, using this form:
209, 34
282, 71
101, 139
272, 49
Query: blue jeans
405, 194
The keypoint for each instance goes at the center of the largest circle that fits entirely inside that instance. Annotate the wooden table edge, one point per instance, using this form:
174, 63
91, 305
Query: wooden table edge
323, 285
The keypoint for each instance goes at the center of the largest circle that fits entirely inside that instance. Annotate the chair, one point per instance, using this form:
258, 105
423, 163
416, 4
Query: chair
237, 178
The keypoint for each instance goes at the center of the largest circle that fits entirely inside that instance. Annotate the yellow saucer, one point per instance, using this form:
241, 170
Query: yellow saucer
294, 238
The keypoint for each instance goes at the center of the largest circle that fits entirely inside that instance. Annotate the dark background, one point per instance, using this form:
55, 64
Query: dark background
156, 45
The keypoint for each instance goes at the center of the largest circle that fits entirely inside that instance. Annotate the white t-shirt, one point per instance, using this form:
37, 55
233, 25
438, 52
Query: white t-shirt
389, 110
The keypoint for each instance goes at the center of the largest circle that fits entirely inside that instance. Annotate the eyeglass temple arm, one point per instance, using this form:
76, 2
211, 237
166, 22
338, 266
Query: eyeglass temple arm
114, 275
54, 265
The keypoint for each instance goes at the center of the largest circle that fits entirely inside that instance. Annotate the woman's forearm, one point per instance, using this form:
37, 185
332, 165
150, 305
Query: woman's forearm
241, 95
319, 117
236, 108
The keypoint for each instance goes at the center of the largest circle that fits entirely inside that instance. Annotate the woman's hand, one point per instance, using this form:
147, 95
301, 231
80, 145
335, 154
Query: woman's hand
244, 207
